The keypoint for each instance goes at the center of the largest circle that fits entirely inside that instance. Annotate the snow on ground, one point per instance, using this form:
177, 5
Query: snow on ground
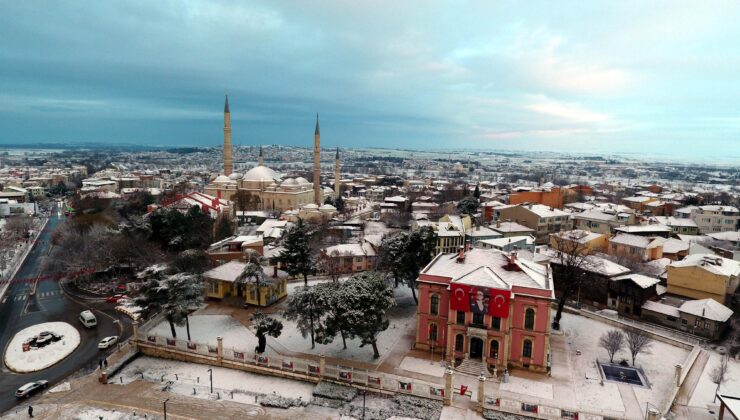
34, 360
659, 366
206, 328
704, 391
186, 376
97, 414
528, 387
62, 387
402, 320
427, 367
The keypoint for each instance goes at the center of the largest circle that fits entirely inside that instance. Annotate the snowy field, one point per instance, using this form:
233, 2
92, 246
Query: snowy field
186, 376
528, 387
425, 366
34, 360
658, 365
704, 391
206, 328
402, 320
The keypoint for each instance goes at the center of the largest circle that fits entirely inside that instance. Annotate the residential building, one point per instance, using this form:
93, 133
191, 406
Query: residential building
225, 283
679, 225
701, 276
479, 233
547, 195
450, 231
638, 203
486, 306
351, 258
711, 218
636, 248
628, 292
602, 221
508, 244
508, 229
587, 241
542, 219
703, 317
235, 247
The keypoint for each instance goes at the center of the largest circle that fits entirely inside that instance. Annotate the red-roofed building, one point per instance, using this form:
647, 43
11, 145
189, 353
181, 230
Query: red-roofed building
486, 307
213, 206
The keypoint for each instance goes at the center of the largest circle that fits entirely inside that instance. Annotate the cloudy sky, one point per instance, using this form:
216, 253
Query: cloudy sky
660, 77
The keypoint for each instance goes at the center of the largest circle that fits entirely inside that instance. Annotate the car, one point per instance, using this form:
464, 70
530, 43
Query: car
107, 342
121, 287
26, 390
116, 298
44, 337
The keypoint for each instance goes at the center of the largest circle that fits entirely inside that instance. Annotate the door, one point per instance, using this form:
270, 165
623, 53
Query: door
476, 348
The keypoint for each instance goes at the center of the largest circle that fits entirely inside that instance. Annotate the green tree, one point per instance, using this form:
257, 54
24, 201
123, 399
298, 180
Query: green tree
297, 257
476, 192
306, 309
224, 228
468, 205
368, 299
265, 325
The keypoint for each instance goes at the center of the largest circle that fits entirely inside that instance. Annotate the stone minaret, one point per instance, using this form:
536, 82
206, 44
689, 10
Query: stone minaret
317, 164
228, 157
336, 174
261, 160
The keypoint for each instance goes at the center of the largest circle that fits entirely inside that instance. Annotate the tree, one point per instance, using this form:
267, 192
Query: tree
476, 192
20, 225
191, 261
329, 264
468, 205
175, 295
367, 298
719, 374
612, 341
332, 296
243, 200
339, 203
570, 268
305, 308
638, 343
392, 249
224, 228
265, 325
296, 257
405, 255
253, 271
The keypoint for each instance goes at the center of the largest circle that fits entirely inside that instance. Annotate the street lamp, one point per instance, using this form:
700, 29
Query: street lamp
164, 403
210, 374
364, 392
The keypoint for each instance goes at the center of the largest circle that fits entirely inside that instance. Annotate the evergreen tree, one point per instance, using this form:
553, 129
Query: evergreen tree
306, 309
296, 257
339, 204
404, 255
265, 325
253, 271
392, 250
175, 295
476, 192
468, 205
367, 298
224, 228
332, 296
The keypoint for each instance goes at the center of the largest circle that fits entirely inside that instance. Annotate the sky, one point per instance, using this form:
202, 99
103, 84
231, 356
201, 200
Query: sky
635, 77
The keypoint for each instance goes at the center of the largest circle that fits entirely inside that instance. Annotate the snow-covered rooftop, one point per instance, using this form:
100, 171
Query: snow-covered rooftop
707, 308
712, 263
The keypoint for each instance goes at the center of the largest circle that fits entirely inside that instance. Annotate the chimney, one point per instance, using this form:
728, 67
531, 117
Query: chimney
461, 255
498, 223
512, 257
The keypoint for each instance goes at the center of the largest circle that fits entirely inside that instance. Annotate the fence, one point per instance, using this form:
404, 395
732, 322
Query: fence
296, 368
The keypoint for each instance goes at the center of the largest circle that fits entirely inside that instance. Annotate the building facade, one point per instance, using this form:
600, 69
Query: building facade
487, 306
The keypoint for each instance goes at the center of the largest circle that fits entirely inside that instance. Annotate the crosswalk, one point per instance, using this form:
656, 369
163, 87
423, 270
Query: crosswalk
24, 296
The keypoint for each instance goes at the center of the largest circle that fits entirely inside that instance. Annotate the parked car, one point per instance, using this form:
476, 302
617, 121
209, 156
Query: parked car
107, 342
116, 298
26, 390
44, 337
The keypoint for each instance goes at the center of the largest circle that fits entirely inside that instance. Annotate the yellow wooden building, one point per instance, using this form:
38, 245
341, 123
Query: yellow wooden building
221, 282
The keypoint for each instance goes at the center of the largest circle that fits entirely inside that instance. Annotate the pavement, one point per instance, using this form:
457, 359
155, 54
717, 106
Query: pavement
30, 303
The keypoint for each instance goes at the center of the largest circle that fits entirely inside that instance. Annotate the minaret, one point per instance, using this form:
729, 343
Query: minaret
228, 159
336, 174
261, 160
317, 164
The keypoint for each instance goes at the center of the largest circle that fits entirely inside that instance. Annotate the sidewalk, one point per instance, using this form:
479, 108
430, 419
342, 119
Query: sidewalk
7, 278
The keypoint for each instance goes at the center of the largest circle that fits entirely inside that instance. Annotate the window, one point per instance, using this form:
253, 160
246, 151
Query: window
494, 350
527, 348
478, 319
459, 340
358, 259
433, 332
529, 319
496, 323
434, 306
684, 321
460, 318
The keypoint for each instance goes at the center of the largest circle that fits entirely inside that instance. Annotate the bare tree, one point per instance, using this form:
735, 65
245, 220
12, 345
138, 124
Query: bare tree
612, 341
638, 343
330, 264
572, 264
20, 225
719, 374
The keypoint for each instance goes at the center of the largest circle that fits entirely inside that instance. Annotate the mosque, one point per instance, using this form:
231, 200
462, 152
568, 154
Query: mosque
272, 190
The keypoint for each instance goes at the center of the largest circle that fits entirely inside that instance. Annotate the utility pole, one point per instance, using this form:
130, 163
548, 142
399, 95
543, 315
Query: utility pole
164, 403
210, 374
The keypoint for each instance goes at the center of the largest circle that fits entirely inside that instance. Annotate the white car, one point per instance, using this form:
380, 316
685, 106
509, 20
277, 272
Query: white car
107, 342
26, 390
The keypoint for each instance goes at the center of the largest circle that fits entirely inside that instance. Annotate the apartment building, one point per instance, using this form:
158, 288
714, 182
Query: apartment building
711, 218
542, 219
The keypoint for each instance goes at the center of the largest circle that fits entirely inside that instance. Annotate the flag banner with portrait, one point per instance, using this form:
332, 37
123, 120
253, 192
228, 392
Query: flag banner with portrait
480, 300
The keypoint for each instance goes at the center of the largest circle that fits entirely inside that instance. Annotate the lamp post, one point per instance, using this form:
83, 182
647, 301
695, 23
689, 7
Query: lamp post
164, 403
364, 393
210, 374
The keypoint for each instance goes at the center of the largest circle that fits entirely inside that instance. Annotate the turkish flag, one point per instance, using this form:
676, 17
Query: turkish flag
459, 298
463, 389
498, 305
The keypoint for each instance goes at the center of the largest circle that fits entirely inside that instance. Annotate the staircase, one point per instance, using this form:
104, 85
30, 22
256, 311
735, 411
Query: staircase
472, 367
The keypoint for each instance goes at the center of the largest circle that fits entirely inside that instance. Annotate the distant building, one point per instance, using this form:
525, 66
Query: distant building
704, 317
701, 276
711, 218
542, 219
550, 196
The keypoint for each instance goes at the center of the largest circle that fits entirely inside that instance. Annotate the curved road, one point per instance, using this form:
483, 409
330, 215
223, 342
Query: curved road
20, 309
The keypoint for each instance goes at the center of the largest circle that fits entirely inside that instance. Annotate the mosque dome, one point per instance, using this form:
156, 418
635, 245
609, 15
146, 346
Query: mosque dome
235, 176
289, 182
261, 173
311, 207
221, 179
302, 180
327, 207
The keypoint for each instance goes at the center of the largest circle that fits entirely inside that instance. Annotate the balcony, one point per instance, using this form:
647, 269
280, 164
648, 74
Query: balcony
478, 330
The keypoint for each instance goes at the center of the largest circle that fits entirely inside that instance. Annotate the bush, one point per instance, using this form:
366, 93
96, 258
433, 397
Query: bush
334, 391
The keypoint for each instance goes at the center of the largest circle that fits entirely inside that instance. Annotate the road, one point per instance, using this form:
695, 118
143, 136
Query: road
19, 308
